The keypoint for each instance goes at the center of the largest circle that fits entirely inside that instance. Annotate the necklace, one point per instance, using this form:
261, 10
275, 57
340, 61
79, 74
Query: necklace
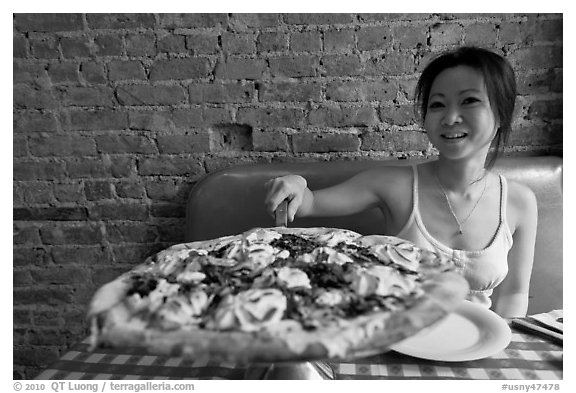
458, 222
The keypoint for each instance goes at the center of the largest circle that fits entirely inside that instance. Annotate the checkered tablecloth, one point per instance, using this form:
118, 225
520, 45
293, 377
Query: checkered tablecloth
527, 357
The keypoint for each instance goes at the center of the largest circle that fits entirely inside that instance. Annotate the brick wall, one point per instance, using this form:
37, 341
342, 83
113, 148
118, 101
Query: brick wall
117, 116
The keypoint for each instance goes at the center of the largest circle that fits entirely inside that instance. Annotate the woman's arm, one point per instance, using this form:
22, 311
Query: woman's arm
361, 192
512, 295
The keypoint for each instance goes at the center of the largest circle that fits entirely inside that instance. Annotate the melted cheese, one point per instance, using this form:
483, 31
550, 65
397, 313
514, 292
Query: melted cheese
250, 310
331, 297
293, 278
333, 256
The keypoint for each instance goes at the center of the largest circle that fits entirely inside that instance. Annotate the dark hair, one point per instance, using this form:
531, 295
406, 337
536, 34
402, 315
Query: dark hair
498, 77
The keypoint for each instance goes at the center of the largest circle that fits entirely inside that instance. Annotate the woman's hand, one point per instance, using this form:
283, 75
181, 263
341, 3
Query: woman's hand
292, 188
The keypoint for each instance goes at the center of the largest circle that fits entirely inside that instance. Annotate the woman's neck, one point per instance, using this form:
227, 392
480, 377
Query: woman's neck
459, 177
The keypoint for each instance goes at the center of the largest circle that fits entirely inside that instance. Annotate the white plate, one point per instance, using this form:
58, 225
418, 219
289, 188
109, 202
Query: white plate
469, 333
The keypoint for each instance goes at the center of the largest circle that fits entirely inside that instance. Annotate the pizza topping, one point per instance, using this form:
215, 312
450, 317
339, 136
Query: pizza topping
331, 297
250, 310
291, 277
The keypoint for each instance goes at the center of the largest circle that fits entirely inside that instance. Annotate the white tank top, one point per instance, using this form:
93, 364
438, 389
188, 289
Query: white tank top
483, 269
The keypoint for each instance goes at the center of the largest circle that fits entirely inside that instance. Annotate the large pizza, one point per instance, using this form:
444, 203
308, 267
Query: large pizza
277, 294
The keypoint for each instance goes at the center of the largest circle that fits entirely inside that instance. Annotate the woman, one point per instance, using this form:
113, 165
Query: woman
454, 205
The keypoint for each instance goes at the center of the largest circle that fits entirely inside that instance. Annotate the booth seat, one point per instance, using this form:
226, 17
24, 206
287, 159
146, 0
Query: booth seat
231, 201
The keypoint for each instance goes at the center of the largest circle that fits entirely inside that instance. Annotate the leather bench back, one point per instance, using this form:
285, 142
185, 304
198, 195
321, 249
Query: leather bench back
231, 201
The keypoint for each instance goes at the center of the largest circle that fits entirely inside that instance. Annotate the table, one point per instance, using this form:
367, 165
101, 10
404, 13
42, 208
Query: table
527, 357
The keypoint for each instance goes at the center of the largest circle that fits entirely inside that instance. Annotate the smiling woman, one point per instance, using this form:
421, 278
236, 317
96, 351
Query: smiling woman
465, 99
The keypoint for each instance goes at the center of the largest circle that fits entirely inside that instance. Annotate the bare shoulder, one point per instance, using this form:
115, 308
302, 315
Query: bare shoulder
522, 202
520, 196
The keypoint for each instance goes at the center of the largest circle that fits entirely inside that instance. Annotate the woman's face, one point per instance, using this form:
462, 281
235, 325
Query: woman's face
459, 120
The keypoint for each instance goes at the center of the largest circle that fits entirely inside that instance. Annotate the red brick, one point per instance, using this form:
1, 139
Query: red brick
189, 143
108, 45
141, 44
255, 20
480, 34
545, 110
25, 234
120, 21
374, 38
30, 73
230, 138
342, 65
19, 47
62, 146
339, 40
102, 96
19, 146
38, 170
272, 42
133, 254
294, 66
72, 213
69, 233
342, 116
98, 190
537, 57
168, 165
171, 43
130, 232
130, 189
80, 255
290, 91
29, 256
61, 275
34, 121
68, 192
179, 69
126, 70
27, 97
166, 190
239, 68
203, 43
193, 20
306, 41
73, 47
151, 95
317, 19
325, 142
399, 141
397, 63
37, 192
239, 43
270, 140
409, 37
216, 115
64, 72
398, 115
549, 30
166, 120
166, 209
277, 117
44, 48
22, 278
48, 22
221, 92
98, 120
445, 34
119, 210
361, 91
87, 167
125, 144
93, 72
